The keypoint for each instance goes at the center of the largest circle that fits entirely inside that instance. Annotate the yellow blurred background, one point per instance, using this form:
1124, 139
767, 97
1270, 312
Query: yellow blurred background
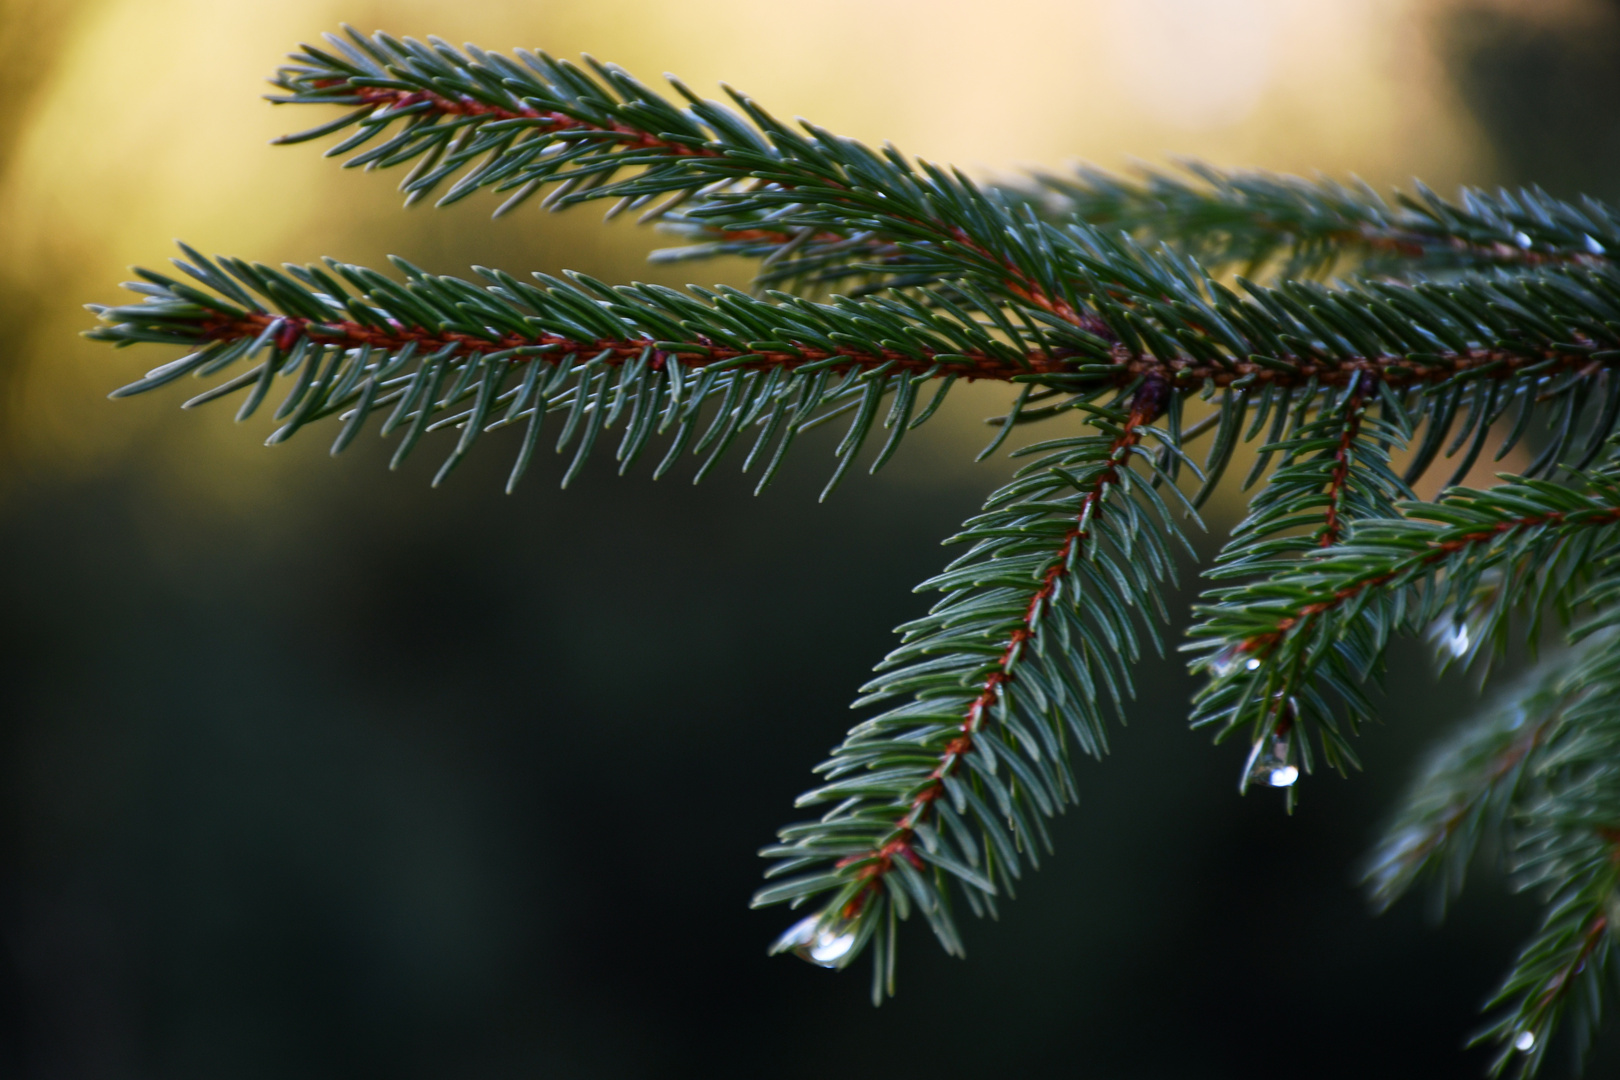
138, 121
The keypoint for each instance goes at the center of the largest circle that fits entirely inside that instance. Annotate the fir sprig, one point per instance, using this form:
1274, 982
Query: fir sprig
517, 126
350, 340
1250, 219
1540, 770
1491, 320
1467, 789
1005, 680
1295, 649
1491, 348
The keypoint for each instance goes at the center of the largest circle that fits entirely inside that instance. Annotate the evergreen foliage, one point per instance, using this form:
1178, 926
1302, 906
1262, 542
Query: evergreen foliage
1348, 336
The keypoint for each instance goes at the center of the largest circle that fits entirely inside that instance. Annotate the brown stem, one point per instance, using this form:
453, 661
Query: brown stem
394, 98
1332, 527
1181, 373
1412, 245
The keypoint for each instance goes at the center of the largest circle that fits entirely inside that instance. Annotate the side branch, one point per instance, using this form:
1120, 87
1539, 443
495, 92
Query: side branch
547, 123
1471, 785
874, 865
1277, 648
1263, 643
1254, 217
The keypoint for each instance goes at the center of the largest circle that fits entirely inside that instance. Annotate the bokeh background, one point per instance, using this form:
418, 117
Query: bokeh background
308, 769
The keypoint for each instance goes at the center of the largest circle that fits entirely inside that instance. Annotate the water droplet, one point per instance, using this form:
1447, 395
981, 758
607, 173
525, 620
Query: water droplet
1594, 247
1455, 639
1522, 239
1525, 1042
1271, 766
819, 940
1230, 660
1283, 776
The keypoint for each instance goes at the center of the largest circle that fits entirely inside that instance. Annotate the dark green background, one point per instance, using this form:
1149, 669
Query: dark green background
445, 784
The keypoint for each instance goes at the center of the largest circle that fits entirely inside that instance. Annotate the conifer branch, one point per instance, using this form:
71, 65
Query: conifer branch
1335, 472
1274, 647
1469, 787
1256, 218
543, 121
1540, 772
345, 336
1568, 849
1491, 345
1099, 299
1005, 677
548, 122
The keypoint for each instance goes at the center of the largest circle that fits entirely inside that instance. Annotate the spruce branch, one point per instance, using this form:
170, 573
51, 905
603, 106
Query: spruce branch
1335, 471
1539, 771
1253, 219
541, 121
1488, 342
545, 121
1005, 679
1495, 318
1535, 774
1469, 787
1295, 649
347, 337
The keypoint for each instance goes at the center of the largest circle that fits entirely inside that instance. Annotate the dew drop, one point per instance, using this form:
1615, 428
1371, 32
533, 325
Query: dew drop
827, 950
1272, 766
1525, 1042
818, 940
1594, 247
1456, 640
1230, 660
1522, 239
1283, 776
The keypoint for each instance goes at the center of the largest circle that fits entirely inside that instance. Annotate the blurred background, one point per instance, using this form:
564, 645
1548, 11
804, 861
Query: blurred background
308, 769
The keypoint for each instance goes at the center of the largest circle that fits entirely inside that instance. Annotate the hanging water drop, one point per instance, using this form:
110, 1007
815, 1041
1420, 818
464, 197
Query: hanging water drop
1594, 247
1272, 766
1452, 636
1230, 660
1522, 239
1525, 1042
819, 940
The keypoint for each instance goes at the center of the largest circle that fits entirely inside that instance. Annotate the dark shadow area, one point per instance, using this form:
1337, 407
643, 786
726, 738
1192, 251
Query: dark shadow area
1546, 92
429, 783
